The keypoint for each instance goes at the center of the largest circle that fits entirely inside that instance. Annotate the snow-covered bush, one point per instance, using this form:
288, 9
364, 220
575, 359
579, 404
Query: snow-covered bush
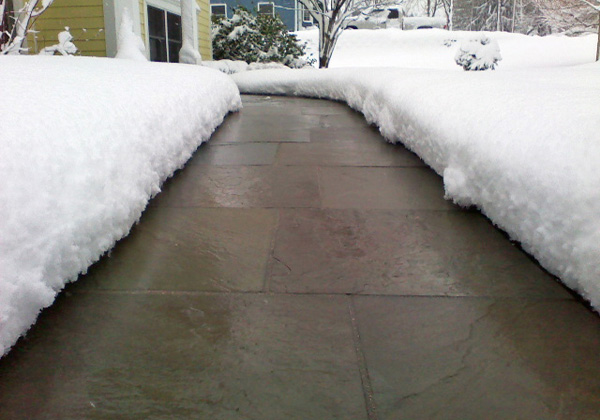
478, 54
65, 45
250, 38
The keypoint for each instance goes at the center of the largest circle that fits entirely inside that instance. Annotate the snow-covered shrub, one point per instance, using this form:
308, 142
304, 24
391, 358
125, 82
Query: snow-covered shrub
250, 38
65, 45
478, 54
449, 42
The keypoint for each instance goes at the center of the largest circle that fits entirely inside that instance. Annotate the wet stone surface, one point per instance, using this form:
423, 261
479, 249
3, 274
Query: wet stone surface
382, 188
190, 249
300, 267
242, 186
401, 253
432, 358
139, 356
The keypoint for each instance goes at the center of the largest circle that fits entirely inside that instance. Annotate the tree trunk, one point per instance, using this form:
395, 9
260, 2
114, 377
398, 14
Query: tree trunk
325, 55
514, 16
325, 50
499, 22
598, 44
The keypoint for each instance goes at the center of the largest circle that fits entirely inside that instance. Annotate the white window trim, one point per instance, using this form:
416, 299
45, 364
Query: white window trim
219, 4
265, 2
296, 23
173, 6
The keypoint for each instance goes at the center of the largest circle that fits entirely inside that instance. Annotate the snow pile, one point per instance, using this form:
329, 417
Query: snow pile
265, 66
236, 66
480, 53
533, 170
227, 66
81, 157
129, 45
436, 49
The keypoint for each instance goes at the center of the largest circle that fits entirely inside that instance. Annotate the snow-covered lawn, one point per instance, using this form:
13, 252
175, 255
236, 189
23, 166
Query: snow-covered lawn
435, 49
521, 143
84, 144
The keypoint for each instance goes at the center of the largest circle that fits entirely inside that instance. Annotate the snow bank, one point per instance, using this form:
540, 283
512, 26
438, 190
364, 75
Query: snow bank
226, 66
436, 48
85, 143
236, 66
523, 146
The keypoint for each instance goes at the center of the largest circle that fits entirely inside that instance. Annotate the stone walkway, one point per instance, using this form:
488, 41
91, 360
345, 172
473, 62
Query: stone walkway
300, 267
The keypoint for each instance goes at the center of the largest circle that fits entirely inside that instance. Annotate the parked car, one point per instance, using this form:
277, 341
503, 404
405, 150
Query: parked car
376, 18
424, 22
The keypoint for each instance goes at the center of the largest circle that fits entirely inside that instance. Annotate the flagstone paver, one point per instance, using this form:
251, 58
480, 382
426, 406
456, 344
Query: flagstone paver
299, 267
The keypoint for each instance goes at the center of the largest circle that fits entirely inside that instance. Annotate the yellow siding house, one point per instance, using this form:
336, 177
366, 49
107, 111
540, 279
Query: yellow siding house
94, 24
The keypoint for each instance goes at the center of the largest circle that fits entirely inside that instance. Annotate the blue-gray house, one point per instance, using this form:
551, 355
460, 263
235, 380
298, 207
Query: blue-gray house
291, 12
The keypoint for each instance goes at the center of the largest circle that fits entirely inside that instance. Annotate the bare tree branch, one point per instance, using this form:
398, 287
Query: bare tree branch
330, 16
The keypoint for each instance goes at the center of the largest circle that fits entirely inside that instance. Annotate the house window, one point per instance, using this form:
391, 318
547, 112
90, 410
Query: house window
164, 33
266, 9
219, 10
306, 17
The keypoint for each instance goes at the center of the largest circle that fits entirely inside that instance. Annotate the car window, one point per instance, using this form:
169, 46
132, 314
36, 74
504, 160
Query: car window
394, 14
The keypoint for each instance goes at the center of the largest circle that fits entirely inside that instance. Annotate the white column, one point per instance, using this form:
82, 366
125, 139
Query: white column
188, 53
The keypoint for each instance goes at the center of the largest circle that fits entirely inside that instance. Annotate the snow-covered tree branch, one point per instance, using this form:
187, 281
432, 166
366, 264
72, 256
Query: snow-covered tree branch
23, 20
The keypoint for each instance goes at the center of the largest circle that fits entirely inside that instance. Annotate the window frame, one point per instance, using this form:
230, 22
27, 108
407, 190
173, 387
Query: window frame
171, 6
219, 4
167, 39
270, 3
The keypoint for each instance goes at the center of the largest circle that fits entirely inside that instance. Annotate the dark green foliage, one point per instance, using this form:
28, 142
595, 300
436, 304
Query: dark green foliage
252, 39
